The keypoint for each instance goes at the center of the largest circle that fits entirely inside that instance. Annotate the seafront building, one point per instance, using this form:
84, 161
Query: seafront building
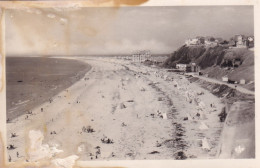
141, 56
238, 41
193, 67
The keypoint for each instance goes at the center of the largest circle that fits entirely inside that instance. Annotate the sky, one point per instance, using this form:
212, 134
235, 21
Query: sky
124, 30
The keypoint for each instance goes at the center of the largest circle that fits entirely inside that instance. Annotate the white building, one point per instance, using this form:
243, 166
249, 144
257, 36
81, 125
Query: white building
242, 81
211, 43
193, 41
225, 79
181, 67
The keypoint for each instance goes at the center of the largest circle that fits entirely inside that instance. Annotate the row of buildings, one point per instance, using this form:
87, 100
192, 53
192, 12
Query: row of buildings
207, 41
226, 79
238, 41
242, 41
192, 67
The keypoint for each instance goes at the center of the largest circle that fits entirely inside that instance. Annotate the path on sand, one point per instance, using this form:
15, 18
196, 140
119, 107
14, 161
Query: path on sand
141, 112
234, 86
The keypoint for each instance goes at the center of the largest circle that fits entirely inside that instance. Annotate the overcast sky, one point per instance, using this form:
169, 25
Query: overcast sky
87, 31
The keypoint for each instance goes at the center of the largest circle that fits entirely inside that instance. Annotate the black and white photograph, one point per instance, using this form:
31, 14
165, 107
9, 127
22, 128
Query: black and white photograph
130, 83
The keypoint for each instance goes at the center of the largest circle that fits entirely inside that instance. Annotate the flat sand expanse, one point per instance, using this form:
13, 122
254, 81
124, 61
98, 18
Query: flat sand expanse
145, 112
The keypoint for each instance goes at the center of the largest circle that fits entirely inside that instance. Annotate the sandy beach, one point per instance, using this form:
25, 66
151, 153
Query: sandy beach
122, 110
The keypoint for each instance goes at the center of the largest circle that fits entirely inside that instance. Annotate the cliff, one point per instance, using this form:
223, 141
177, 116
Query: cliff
218, 61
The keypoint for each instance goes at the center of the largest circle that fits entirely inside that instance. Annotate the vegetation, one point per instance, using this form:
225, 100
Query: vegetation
218, 61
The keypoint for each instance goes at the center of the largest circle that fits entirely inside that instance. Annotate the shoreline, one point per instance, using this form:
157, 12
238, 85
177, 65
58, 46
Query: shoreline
237, 115
38, 97
179, 138
199, 128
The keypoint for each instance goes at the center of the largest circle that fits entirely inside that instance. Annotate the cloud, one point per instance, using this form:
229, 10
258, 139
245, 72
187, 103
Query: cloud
119, 31
126, 46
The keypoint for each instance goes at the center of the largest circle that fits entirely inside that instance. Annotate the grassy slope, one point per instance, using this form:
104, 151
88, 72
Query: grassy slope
244, 71
184, 55
210, 60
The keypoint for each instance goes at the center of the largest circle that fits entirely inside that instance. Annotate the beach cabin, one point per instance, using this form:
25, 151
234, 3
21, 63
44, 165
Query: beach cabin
181, 67
242, 81
194, 67
225, 79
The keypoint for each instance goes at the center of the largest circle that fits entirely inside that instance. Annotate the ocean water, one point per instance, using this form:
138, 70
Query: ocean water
33, 80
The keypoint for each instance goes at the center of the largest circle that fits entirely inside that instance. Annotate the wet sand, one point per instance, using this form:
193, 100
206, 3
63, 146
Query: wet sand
122, 110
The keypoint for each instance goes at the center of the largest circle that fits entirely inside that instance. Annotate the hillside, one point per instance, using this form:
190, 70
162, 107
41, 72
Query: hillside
218, 61
184, 55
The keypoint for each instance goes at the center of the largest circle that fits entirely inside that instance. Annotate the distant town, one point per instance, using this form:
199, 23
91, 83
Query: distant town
238, 41
235, 42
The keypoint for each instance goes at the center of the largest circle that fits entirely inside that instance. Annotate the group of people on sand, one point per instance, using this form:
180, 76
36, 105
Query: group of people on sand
12, 147
10, 158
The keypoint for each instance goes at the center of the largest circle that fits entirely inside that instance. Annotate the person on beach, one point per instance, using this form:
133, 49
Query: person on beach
98, 152
13, 135
233, 92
